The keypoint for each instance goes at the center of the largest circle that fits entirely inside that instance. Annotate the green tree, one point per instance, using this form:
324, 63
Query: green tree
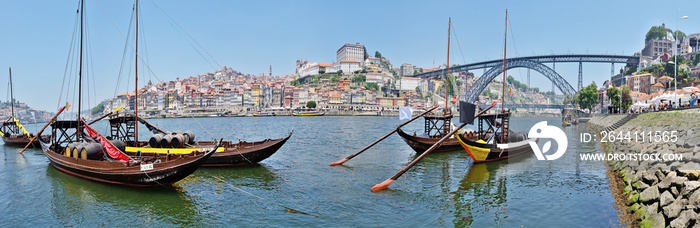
359, 78
418, 89
311, 104
587, 97
678, 34
321, 71
630, 68
98, 109
340, 72
655, 33
567, 99
626, 97
377, 55
614, 96
335, 78
371, 85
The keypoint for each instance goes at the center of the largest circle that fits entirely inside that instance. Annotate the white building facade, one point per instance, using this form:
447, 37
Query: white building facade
351, 52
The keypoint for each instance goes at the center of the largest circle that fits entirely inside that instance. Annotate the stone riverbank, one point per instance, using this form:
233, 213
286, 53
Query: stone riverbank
655, 192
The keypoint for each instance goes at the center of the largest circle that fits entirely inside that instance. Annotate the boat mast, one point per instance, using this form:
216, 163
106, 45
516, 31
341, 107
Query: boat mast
136, 85
80, 70
447, 76
503, 89
12, 96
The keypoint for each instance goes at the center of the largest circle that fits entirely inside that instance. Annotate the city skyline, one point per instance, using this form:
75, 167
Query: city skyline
250, 36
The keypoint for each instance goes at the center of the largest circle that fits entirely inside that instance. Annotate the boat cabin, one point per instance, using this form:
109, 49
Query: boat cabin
438, 125
493, 125
9, 128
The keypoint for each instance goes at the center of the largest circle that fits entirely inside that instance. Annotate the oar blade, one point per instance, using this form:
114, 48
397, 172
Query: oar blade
340, 162
382, 185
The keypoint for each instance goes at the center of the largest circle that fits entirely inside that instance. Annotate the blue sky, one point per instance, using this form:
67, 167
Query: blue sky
252, 35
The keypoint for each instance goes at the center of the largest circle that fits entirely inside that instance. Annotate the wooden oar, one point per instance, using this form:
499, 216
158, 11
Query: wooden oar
106, 115
150, 126
42, 129
391, 180
341, 161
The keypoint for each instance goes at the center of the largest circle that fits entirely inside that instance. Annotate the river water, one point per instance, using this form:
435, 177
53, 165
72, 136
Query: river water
444, 189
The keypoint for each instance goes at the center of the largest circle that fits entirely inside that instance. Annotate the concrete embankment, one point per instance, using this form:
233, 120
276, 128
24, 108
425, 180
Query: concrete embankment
662, 190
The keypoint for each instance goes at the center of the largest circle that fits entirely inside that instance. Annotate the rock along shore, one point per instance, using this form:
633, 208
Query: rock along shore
656, 193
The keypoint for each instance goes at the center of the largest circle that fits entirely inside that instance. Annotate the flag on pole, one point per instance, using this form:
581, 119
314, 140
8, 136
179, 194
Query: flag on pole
405, 113
67, 105
34, 117
510, 90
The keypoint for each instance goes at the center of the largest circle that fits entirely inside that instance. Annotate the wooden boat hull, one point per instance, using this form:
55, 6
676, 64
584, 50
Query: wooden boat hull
245, 153
22, 141
308, 114
235, 154
115, 172
481, 152
421, 144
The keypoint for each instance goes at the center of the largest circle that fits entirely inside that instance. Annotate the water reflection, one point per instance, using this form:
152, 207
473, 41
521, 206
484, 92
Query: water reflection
79, 202
444, 189
256, 175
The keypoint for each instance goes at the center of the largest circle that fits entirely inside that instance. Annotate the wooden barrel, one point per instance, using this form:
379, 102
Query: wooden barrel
154, 142
178, 141
69, 149
187, 138
119, 144
76, 150
165, 142
190, 136
177, 132
92, 151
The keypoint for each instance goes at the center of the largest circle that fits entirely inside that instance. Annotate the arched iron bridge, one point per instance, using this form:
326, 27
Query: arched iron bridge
537, 63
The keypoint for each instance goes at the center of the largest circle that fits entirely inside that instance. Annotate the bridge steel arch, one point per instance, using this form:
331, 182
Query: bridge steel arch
479, 86
572, 58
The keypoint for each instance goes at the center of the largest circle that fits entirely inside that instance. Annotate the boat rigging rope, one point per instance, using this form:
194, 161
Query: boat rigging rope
205, 129
195, 41
280, 122
193, 47
68, 61
458, 45
132, 48
121, 67
289, 209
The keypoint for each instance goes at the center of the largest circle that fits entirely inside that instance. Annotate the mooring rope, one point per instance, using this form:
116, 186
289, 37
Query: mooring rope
289, 209
205, 129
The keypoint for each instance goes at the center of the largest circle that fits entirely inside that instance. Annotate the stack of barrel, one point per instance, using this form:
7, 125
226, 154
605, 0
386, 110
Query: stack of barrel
175, 139
90, 150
